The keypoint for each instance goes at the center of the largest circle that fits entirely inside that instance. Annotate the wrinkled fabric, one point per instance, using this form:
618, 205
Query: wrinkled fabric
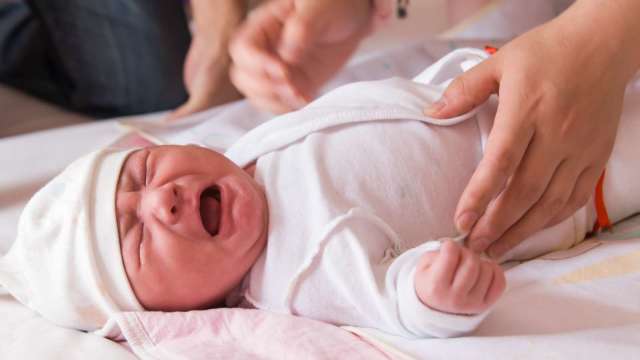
237, 334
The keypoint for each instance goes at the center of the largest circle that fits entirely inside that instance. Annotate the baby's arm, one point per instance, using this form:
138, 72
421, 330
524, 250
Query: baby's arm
355, 283
457, 281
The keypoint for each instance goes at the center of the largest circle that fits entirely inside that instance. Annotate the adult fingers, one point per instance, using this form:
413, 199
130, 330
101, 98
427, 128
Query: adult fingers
253, 83
259, 88
552, 202
322, 23
300, 32
259, 92
196, 103
580, 195
506, 145
274, 106
199, 97
524, 189
467, 91
254, 61
185, 109
254, 45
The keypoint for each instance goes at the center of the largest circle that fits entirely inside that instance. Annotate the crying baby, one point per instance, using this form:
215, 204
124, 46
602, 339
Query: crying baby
341, 212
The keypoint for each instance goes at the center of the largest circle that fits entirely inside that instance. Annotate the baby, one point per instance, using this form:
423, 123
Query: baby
325, 213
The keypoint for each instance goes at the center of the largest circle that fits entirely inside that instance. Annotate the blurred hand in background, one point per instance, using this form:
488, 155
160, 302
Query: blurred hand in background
287, 49
206, 67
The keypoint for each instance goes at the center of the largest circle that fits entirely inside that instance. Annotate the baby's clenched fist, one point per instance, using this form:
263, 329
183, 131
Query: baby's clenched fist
457, 280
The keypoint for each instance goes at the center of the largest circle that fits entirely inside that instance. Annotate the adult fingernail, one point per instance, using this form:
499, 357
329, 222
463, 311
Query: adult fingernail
435, 108
465, 222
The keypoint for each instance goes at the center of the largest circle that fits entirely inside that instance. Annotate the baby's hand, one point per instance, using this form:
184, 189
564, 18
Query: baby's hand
456, 280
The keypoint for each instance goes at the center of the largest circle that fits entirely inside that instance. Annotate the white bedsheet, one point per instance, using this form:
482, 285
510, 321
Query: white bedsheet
586, 306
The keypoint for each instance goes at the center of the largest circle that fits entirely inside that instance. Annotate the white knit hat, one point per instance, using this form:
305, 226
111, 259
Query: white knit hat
66, 263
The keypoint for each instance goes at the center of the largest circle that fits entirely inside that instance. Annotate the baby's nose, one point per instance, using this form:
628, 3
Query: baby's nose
162, 203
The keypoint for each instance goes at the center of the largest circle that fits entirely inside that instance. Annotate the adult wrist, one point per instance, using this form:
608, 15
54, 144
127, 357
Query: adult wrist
607, 30
217, 18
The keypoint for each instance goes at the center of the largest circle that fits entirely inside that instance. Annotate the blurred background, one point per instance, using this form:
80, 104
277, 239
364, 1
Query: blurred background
427, 19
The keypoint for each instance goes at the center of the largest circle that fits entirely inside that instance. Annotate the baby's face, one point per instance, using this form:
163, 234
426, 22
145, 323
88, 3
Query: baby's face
191, 224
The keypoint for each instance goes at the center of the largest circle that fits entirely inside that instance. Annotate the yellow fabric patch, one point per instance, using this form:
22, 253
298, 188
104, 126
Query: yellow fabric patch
615, 266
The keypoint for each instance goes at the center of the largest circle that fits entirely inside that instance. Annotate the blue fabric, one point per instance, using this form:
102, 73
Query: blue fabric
104, 58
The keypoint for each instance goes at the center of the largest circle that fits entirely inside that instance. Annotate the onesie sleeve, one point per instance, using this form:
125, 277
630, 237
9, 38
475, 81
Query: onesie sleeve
354, 282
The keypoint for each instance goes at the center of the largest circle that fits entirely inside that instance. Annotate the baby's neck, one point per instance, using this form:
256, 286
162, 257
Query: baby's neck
251, 169
235, 296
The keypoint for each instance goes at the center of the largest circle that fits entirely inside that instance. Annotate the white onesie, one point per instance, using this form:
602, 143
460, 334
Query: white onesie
357, 183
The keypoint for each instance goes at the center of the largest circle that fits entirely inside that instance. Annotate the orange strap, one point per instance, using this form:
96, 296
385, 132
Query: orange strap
490, 49
602, 222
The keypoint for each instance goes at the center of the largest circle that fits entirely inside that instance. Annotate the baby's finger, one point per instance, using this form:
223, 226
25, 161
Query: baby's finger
467, 273
444, 267
497, 286
479, 290
426, 260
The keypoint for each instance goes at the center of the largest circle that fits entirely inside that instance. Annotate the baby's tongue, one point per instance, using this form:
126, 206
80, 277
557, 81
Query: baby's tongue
210, 213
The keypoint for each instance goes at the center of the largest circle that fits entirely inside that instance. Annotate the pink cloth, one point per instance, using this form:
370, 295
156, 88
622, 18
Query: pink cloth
238, 334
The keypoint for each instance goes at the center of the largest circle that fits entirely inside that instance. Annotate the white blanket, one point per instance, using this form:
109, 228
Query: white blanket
584, 306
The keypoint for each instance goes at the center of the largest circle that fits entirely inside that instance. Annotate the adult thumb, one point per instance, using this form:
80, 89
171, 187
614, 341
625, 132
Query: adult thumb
466, 92
184, 110
197, 101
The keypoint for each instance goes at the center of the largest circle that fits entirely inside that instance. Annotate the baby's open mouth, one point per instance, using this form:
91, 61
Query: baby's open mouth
210, 209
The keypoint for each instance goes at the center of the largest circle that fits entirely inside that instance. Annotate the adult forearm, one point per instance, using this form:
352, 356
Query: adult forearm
610, 29
218, 19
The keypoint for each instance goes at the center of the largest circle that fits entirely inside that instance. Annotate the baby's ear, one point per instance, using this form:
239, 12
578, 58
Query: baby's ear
133, 139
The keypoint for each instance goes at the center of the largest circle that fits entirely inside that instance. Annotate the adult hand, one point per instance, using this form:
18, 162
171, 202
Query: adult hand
206, 77
560, 90
206, 67
287, 49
